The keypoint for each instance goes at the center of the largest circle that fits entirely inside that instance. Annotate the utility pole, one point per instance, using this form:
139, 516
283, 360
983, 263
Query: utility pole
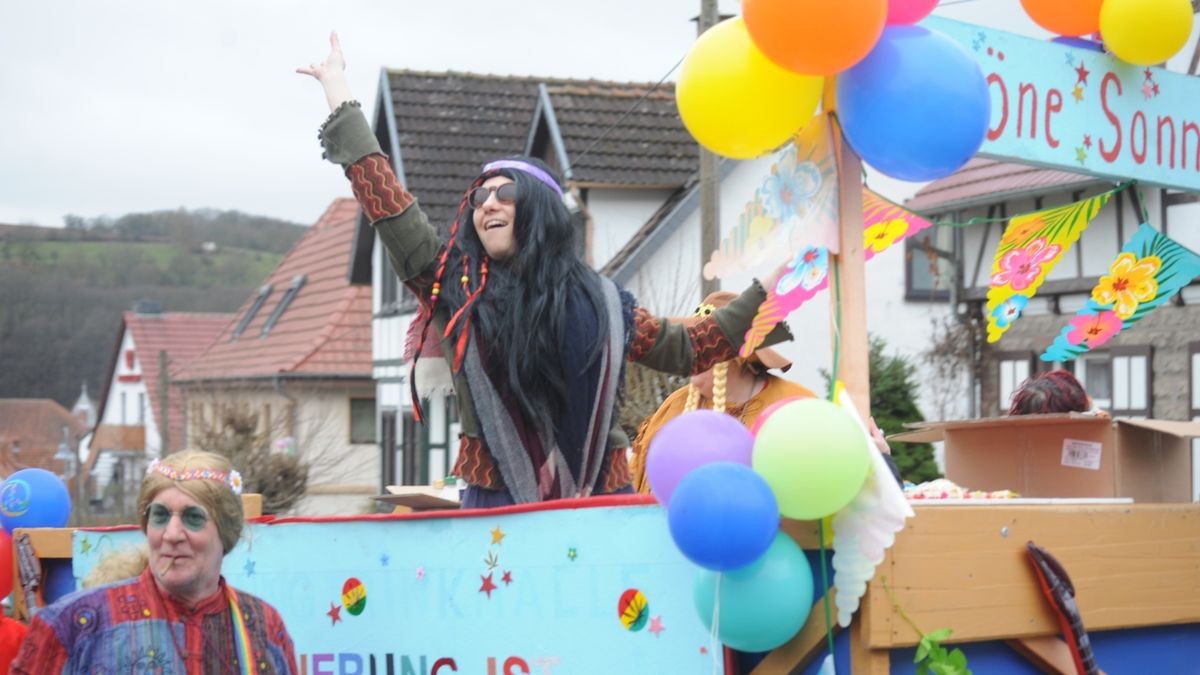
710, 225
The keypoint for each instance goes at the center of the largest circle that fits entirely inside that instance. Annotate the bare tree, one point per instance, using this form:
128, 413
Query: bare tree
280, 477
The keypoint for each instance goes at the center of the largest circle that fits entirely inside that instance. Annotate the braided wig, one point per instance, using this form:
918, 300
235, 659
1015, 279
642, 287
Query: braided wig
521, 318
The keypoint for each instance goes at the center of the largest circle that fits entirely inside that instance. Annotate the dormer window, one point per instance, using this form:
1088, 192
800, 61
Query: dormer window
263, 292
288, 296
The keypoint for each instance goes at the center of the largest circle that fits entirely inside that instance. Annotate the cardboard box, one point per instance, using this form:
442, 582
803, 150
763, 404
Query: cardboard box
1067, 455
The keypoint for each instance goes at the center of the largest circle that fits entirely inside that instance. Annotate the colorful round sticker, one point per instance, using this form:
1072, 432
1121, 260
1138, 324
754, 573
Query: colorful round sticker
354, 596
14, 498
633, 609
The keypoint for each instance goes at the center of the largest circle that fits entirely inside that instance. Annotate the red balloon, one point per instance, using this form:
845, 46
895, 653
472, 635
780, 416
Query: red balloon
6, 564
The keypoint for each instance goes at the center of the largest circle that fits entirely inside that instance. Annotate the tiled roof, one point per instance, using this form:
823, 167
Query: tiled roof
325, 331
646, 146
449, 124
36, 424
987, 180
183, 336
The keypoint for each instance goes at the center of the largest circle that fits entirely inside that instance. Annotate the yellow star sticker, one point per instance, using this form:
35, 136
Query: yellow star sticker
497, 535
1077, 92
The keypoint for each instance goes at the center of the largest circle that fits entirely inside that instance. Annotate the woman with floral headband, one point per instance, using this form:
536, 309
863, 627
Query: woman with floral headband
179, 615
535, 338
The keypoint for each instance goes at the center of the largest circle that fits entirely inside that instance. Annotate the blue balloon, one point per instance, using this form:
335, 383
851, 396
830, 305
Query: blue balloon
762, 605
34, 498
917, 107
723, 516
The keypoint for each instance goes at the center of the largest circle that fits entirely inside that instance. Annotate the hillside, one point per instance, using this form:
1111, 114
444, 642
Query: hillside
62, 291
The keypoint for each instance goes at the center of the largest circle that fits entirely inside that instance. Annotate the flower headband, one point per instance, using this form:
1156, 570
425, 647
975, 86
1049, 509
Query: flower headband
233, 479
527, 168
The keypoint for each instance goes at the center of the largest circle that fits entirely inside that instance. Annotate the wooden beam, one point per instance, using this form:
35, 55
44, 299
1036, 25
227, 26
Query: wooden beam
806, 644
965, 568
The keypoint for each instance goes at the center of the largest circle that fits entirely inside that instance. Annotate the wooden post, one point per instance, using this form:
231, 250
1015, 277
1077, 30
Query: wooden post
848, 306
710, 220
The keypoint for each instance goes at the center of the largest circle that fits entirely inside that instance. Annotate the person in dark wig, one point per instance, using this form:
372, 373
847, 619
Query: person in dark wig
1054, 391
536, 340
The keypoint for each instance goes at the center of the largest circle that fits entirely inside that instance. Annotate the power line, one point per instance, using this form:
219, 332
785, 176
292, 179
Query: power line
625, 114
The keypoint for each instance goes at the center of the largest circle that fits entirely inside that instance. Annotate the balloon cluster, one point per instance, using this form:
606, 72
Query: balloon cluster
912, 102
725, 488
1142, 32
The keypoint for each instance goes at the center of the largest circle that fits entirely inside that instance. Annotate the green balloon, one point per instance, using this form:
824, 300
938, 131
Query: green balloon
814, 456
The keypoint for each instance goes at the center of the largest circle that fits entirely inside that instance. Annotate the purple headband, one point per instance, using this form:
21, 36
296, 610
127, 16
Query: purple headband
527, 168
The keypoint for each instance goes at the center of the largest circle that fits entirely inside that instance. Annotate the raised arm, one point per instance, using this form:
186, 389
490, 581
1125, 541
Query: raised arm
331, 73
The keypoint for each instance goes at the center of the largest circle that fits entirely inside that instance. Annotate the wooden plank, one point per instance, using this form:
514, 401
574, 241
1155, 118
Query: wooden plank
965, 568
1048, 653
805, 532
48, 542
806, 644
251, 505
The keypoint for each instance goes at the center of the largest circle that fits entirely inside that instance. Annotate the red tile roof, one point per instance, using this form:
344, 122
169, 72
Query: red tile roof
36, 424
325, 331
183, 336
987, 180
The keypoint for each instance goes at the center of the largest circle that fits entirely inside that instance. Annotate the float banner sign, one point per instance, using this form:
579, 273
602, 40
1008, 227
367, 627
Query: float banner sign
560, 591
1079, 110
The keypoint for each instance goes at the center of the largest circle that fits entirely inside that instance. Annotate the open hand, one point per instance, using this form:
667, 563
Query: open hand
333, 66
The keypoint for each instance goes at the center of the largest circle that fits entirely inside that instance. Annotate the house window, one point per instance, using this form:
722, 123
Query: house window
288, 295
141, 408
1119, 381
124, 417
929, 264
263, 292
362, 420
1015, 368
394, 296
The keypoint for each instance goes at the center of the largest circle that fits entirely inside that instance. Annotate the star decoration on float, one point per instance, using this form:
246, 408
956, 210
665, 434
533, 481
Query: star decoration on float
420, 573
1070, 58
1077, 92
656, 625
506, 577
572, 554
249, 567
1148, 91
1149, 75
1087, 141
384, 559
487, 586
334, 614
497, 535
1080, 155
1083, 73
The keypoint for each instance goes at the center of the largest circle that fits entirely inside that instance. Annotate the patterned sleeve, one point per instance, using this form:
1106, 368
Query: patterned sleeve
694, 347
42, 651
277, 634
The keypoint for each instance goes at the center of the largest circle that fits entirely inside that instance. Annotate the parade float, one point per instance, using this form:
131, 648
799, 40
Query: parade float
794, 541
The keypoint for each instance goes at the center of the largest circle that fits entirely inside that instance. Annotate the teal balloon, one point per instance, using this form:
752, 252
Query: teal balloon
814, 456
763, 604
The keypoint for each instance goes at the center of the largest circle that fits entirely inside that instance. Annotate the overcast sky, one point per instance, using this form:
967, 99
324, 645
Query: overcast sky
134, 105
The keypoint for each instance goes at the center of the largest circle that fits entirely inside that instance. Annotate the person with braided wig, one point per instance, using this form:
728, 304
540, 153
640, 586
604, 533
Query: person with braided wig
536, 340
178, 615
742, 387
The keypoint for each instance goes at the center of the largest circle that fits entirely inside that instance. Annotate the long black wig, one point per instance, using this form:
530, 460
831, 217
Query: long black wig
521, 316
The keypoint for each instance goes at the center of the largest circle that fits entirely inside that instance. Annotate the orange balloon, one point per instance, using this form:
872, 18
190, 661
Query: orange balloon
1065, 17
815, 37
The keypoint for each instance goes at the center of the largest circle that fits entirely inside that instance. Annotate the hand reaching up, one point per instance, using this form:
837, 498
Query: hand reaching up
331, 73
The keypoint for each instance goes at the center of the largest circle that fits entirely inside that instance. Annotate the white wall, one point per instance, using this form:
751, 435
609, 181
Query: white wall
133, 391
616, 215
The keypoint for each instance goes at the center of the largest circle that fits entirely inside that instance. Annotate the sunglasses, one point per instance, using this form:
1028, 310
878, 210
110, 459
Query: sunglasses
194, 518
505, 194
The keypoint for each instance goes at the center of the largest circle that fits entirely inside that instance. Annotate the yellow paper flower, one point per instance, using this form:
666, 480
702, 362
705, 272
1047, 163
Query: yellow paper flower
1129, 282
882, 235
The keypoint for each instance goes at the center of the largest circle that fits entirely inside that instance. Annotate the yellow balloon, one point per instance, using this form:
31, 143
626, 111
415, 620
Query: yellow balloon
1145, 32
737, 102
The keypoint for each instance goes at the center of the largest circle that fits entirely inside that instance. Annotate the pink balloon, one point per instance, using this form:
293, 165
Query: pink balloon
758, 421
908, 11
